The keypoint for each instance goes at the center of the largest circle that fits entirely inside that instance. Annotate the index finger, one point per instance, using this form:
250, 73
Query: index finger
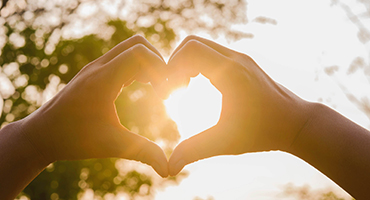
136, 63
126, 44
219, 48
195, 57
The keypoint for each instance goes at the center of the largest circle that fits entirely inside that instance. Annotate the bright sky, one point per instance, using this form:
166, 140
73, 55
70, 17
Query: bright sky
309, 36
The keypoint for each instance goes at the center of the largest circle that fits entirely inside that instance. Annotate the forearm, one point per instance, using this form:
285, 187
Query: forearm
337, 147
20, 162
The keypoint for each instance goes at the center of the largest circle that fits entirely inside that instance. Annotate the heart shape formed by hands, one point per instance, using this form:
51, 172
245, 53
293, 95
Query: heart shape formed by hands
81, 121
257, 114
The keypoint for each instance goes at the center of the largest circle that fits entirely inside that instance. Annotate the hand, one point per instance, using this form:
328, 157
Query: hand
80, 122
257, 113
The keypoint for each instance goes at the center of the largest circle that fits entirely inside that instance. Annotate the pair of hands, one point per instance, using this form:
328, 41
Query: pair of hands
81, 122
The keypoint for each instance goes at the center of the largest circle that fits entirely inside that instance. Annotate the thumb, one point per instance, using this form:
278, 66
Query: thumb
204, 145
139, 148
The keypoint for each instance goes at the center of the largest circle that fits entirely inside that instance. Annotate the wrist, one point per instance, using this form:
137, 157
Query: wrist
337, 147
310, 111
21, 162
325, 137
32, 129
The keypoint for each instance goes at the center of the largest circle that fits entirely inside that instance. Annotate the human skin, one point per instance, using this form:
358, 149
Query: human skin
258, 114
81, 122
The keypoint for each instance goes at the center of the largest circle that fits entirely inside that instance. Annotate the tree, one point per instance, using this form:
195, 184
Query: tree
45, 43
359, 64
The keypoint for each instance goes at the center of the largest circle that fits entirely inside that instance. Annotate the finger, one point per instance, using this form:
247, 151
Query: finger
195, 57
152, 68
203, 145
123, 46
151, 65
173, 82
136, 147
219, 48
136, 63
198, 58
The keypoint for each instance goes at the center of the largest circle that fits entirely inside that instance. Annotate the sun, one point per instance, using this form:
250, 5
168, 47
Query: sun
195, 108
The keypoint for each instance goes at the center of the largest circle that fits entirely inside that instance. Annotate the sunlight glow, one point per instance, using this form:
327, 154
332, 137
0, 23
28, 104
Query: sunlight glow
195, 108
294, 52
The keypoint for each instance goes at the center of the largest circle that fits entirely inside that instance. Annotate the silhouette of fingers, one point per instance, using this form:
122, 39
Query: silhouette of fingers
123, 46
221, 49
207, 144
136, 63
128, 145
193, 58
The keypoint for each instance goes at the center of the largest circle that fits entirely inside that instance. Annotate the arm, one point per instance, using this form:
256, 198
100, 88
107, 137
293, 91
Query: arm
259, 114
81, 122
337, 147
20, 162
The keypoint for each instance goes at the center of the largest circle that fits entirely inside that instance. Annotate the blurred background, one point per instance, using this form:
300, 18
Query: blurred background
319, 49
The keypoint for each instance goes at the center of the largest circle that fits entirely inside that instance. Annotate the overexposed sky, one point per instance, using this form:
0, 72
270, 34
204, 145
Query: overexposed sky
309, 36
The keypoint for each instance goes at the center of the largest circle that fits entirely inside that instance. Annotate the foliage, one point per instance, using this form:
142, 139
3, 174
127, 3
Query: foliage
45, 43
359, 64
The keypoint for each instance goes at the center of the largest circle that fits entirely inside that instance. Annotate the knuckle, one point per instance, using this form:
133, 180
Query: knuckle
238, 67
138, 49
191, 37
248, 58
192, 43
238, 60
248, 61
138, 39
190, 46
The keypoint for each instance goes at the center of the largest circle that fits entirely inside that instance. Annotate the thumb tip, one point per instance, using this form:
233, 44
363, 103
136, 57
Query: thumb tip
176, 168
161, 170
